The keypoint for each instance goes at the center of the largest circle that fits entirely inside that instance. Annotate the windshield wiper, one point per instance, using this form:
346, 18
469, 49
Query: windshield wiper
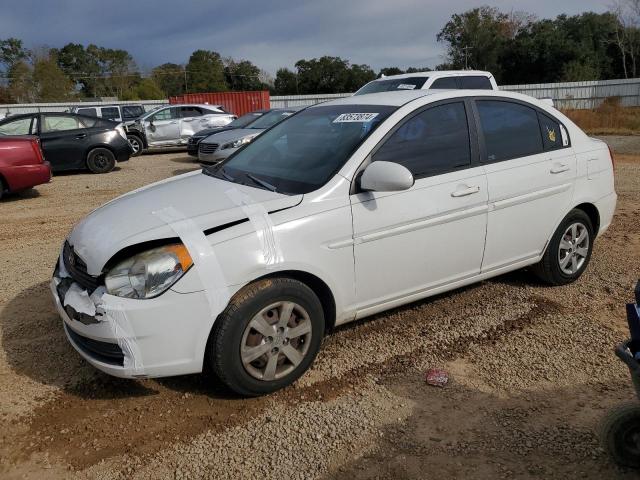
214, 174
261, 182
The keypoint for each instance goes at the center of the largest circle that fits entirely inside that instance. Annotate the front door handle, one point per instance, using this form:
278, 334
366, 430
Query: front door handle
81, 136
559, 168
465, 190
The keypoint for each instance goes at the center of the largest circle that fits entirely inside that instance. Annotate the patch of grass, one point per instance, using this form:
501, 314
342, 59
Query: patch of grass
610, 118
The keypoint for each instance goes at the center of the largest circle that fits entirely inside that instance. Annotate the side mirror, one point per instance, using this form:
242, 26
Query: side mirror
386, 177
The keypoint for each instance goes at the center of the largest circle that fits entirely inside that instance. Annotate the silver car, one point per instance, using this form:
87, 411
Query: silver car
219, 146
173, 125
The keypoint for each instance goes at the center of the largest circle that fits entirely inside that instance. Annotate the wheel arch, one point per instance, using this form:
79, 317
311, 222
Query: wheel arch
317, 285
592, 212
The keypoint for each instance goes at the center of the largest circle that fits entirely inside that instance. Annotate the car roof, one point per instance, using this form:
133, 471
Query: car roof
394, 99
202, 105
399, 98
437, 74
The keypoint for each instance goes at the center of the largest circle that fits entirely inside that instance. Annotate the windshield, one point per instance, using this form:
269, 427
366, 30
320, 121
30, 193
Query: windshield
245, 120
302, 153
413, 83
270, 119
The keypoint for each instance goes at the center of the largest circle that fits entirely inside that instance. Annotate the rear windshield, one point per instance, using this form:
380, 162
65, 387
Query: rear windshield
411, 83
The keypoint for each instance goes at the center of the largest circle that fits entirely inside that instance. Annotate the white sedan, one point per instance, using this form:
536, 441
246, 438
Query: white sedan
341, 211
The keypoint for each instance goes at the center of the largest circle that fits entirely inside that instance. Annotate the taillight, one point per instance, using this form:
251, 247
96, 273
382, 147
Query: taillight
613, 161
35, 144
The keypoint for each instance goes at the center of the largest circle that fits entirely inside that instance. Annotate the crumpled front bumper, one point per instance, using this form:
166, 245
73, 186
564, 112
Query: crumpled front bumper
130, 338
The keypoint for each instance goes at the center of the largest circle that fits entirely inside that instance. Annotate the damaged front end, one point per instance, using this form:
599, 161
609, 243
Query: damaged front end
80, 298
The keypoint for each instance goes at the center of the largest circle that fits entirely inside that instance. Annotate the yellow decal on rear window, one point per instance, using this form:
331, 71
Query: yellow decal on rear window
551, 133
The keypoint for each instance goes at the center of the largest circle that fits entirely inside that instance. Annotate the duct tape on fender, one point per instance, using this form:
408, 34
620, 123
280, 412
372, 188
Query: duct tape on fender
203, 256
262, 224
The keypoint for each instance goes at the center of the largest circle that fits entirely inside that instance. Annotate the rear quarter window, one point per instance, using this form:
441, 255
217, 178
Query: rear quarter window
554, 135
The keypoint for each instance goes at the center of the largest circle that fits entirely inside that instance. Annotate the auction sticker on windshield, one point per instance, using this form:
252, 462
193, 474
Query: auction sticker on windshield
355, 117
406, 86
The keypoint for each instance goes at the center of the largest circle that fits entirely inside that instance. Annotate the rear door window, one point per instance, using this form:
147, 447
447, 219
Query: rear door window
510, 130
475, 82
56, 123
111, 113
432, 142
445, 83
21, 126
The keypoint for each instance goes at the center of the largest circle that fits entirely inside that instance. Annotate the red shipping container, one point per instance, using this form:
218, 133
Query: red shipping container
237, 103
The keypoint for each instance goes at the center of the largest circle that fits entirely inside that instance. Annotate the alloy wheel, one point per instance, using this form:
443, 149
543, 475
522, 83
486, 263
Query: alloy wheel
276, 340
574, 248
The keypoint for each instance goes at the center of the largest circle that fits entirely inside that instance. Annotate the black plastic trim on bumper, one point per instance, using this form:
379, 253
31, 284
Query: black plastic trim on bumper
109, 353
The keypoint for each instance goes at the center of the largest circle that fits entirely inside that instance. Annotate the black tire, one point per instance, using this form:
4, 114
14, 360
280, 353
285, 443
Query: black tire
231, 332
101, 160
620, 434
549, 269
136, 143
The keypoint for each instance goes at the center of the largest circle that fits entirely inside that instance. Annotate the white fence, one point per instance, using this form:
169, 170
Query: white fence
580, 95
13, 109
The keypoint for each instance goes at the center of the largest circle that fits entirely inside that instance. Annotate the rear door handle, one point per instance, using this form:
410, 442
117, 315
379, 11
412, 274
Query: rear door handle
463, 192
559, 168
81, 136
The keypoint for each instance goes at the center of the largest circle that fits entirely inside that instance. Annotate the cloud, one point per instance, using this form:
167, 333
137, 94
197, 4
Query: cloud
270, 34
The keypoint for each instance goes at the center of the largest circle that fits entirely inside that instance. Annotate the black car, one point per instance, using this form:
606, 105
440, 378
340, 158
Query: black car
240, 122
71, 142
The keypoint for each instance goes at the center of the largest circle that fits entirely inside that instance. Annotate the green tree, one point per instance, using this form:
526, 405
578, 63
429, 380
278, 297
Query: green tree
387, 71
243, 75
286, 82
21, 87
205, 72
148, 89
323, 75
11, 52
359, 75
170, 78
50, 82
82, 67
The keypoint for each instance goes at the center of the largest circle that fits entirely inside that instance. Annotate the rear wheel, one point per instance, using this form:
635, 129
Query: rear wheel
136, 145
267, 337
569, 250
101, 160
620, 434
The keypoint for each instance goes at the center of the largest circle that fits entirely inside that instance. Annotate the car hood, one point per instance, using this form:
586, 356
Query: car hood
210, 131
231, 135
129, 220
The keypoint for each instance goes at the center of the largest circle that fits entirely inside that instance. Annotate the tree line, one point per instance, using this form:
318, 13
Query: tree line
516, 47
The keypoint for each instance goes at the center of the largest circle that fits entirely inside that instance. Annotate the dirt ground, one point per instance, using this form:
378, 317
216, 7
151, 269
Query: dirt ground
532, 373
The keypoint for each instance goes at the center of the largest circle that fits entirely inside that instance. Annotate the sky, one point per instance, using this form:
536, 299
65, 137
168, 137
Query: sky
271, 34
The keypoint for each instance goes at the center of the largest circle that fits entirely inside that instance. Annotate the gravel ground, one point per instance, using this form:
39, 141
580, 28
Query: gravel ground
532, 373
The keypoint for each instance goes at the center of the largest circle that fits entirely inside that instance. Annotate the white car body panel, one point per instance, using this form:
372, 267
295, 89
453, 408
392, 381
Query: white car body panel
373, 250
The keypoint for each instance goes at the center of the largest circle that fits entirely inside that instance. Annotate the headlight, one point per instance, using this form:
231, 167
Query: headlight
148, 274
237, 143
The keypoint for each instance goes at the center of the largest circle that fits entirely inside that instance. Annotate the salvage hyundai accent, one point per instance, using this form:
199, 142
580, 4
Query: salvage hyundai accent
343, 210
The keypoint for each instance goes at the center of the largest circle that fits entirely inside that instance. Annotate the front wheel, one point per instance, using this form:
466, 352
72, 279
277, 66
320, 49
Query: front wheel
620, 434
136, 145
267, 337
569, 250
101, 160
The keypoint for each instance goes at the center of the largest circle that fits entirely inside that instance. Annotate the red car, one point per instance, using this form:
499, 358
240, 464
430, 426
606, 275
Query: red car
22, 164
